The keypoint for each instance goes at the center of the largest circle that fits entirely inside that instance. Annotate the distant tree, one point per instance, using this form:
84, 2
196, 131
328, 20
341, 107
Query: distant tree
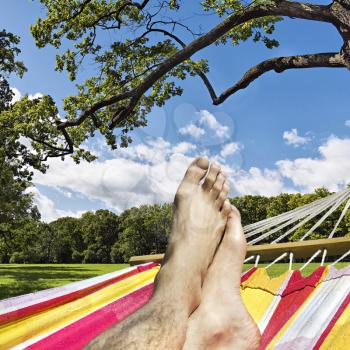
252, 208
144, 230
279, 204
70, 244
16, 209
99, 230
26, 243
103, 237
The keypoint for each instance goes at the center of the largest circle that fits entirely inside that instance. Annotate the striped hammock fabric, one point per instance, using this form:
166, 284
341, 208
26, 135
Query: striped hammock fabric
292, 312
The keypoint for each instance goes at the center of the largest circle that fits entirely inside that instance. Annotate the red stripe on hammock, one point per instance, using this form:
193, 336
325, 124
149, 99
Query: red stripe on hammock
293, 297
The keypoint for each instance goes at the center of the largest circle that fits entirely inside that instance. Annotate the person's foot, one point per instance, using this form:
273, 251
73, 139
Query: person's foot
222, 321
200, 216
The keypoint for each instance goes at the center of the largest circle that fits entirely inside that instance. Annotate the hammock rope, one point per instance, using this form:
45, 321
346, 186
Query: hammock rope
272, 221
308, 213
297, 212
315, 255
331, 203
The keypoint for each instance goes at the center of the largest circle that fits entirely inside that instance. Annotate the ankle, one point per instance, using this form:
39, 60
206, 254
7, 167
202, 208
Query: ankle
176, 285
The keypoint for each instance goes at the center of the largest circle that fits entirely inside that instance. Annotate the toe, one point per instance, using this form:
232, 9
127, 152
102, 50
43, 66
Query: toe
232, 249
234, 234
222, 195
217, 187
226, 208
197, 170
211, 177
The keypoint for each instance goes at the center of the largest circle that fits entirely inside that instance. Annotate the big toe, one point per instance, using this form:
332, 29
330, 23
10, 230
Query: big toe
232, 250
234, 236
197, 170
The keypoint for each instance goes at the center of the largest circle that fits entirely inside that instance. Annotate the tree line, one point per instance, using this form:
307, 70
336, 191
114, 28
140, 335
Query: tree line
105, 237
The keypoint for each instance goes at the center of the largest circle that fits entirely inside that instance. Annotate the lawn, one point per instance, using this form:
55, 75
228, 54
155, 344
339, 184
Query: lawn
17, 279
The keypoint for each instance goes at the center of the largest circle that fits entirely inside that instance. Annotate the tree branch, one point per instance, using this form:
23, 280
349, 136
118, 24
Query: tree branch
201, 74
282, 8
279, 65
87, 113
139, 6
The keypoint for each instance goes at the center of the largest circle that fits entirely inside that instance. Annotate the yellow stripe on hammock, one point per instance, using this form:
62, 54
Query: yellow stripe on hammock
258, 292
339, 337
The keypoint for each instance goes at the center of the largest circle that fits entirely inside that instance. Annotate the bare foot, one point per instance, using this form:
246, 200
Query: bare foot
200, 217
222, 321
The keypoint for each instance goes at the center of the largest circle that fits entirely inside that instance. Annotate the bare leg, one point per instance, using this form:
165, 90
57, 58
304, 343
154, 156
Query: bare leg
222, 321
200, 217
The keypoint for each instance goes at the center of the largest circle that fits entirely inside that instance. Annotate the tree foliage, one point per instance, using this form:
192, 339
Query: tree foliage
8, 65
142, 51
16, 209
144, 230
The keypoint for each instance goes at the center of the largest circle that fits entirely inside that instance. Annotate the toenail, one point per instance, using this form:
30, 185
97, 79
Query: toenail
202, 162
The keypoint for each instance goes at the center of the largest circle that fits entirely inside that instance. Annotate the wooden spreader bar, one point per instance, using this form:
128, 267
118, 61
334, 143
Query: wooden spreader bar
269, 252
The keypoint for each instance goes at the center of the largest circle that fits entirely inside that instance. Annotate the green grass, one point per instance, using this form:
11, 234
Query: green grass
18, 279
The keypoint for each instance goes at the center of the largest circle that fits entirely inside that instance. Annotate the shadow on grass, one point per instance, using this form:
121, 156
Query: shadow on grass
27, 279
45, 267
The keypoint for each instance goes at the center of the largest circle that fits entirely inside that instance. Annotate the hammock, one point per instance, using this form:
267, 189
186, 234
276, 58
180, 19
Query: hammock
292, 312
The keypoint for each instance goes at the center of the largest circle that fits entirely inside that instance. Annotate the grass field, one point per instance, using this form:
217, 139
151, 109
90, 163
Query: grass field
17, 279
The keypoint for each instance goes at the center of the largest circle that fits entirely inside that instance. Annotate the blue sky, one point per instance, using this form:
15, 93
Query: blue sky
285, 132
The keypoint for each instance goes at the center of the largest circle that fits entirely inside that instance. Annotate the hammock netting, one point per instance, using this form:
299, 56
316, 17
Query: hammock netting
293, 312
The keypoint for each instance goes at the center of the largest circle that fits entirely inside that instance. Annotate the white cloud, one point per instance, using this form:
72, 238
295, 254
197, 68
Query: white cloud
18, 95
230, 148
36, 95
347, 123
192, 130
292, 138
118, 183
47, 207
259, 182
142, 174
208, 119
154, 151
184, 147
331, 169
